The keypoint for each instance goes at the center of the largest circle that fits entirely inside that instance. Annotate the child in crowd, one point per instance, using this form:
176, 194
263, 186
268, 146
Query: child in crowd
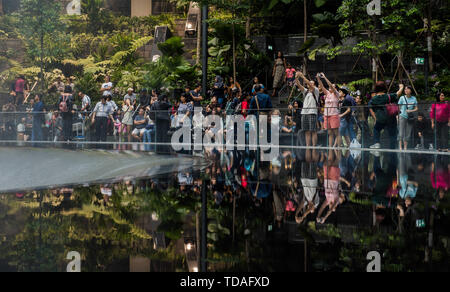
290, 75
21, 130
119, 128
57, 125
423, 130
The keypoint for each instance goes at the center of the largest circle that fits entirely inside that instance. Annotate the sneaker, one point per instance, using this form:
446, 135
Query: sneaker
418, 147
431, 147
375, 153
375, 146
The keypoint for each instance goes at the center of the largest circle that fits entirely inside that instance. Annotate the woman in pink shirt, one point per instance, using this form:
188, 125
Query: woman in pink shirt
440, 121
332, 178
332, 121
440, 178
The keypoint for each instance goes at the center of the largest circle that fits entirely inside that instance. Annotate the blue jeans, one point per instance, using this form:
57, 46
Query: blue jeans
392, 131
37, 134
347, 129
148, 134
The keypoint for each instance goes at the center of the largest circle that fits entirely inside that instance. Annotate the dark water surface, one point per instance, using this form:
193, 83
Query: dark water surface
304, 211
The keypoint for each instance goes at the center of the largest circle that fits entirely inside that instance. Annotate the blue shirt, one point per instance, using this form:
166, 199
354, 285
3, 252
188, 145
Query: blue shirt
265, 103
253, 89
139, 118
406, 103
38, 110
407, 190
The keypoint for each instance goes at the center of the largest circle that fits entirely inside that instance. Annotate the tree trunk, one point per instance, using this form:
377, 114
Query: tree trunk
234, 46
42, 47
400, 71
199, 39
429, 38
374, 65
234, 53
1, 7
305, 37
247, 28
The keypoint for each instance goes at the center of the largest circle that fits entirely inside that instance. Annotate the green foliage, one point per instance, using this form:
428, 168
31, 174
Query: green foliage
99, 18
87, 84
42, 30
171, 70
398, 20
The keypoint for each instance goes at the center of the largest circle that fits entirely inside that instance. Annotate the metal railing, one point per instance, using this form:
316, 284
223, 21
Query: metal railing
298, 127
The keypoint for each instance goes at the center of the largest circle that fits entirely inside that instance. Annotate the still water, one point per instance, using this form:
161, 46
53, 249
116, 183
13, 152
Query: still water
307, 210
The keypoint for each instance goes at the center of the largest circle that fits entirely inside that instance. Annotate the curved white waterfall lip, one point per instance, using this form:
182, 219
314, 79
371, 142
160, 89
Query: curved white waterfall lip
24, 169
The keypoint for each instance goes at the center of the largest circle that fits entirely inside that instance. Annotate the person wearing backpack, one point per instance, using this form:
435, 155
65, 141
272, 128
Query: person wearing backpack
407, 117
384, 113
65, 106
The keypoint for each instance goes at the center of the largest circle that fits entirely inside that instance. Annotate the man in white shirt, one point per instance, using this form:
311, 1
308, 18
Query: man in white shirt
85, 101
101, 113
107, 86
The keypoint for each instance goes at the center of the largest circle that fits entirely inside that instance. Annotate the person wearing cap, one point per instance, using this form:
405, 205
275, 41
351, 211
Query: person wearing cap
131, 96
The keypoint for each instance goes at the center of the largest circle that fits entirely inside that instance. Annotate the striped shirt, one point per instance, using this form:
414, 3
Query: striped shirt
103, 110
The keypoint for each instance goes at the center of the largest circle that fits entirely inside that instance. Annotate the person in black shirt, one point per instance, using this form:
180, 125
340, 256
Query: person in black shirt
345, 106
67, 117
423, 130
196, 97
160, 115
144, 99
219, 90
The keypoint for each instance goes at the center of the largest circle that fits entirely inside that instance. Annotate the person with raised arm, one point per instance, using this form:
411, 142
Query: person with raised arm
331, 112
309, 111
383, 119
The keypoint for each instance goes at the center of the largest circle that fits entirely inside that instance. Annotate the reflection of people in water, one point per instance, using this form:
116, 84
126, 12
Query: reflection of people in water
106, 192
310, 182
332, 179
407, 188
440, 176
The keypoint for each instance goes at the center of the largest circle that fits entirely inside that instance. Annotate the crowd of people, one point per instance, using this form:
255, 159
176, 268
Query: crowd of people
347, 119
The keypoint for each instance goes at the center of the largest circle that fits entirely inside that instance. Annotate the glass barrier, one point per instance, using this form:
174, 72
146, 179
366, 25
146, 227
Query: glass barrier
355, 127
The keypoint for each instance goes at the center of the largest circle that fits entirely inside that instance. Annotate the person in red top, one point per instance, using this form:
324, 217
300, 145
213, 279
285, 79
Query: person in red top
290, 75
245, 105
440, 178
20, 86
440, 121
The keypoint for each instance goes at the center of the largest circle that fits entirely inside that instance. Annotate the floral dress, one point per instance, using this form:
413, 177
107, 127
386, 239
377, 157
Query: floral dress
279, 73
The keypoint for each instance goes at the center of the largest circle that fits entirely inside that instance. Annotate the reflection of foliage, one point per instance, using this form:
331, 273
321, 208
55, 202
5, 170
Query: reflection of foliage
103, 234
